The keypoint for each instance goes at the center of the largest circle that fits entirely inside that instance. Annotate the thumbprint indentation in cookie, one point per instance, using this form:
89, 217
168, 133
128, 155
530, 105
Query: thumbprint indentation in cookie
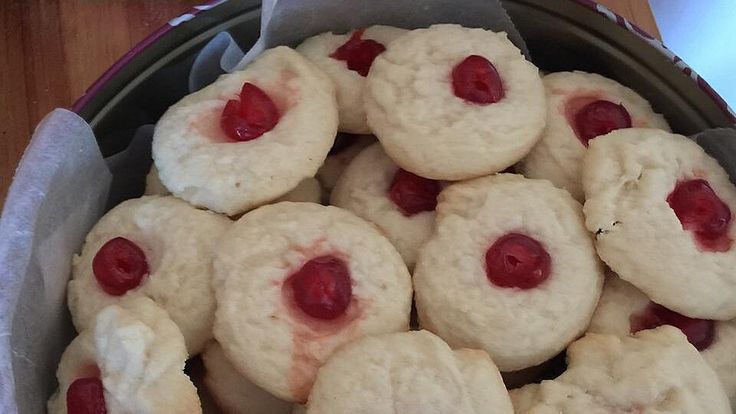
413, 194
703, 213
86, 396
251, 116
119, 266
322, 287
476, 80
699, 332
596, 118
517, 261
358, 53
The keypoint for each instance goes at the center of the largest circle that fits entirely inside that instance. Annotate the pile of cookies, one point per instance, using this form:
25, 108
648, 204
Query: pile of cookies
302, 209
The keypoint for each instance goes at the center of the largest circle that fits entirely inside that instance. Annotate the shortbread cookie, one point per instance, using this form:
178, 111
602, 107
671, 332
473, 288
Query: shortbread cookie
400, 203
624, 309
408, 373
130, 361
580, 107
250, 137
661, 209
296, 280
451, 103
656, 371
232, 391
154, 186
157, 247
342, 153
510, 269
346, 59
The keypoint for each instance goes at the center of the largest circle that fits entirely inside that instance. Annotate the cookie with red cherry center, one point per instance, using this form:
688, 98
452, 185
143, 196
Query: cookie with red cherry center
580, 107
346, 59
250, 137
452, 103
624, 310
661, 210
294, 281
157, 247
408, 372
400, 203
655, 371
509, 269
233, 392
131, 360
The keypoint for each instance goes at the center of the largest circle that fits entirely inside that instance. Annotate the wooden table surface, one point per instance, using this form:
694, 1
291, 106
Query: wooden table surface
52, 50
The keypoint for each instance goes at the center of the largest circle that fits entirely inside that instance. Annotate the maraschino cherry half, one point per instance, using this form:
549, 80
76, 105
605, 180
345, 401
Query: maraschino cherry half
516, 260
86, 396
322, 288
119, 266
477, 81
358, 53
703, 213
699, 332
413, 194
599, 118
250, 116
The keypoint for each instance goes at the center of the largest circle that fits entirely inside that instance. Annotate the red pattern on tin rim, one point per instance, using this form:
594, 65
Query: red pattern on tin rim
590, 4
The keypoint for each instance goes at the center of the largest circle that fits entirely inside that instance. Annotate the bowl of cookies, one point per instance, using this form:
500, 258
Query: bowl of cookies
412, 214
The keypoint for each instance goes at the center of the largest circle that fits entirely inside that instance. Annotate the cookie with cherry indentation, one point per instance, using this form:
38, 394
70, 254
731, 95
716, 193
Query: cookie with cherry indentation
408, 372
250, 137
232, 391
624, 310
294, 281
661, 210
157, 247
450, 103
655, 371
400, 203
580, 107
130, 360
347, 59
509, 269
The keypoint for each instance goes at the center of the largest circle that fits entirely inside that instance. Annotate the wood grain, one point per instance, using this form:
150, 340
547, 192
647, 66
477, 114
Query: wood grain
52, 50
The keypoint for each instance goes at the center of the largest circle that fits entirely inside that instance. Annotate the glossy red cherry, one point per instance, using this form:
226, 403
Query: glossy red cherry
699, 332
322, 287
413, 194
702, 212
476, 80
599, 118
358, 53
86, 396
517, 261
119, 266
251, 116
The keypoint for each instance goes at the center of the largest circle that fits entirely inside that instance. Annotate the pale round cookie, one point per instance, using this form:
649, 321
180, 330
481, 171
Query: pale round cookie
296, 280
340, 157
413, 105
132, 360
346, 59
157, 247
199, 161
594, 101
685, 264
655, 371
509, 269
624, 309
409, 373
233, 392
400, 203
154, 186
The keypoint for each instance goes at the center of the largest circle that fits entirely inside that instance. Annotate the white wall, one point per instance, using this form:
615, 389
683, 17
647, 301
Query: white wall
703, 34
